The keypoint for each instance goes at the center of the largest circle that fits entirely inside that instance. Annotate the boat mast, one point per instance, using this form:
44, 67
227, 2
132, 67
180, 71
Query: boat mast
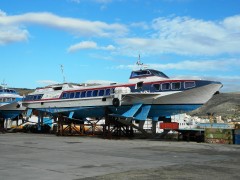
64, 80
142, 66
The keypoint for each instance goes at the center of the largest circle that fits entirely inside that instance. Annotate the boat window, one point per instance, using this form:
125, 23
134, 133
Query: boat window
95, 93
57, 88
83, 94
159, 73
72, 95
39, 96
89, 93
107, 92
140, 73
139, 85
165, 86
1, 90
65, 95
77, 95
156, 86
29, 98
189, 84
112, 90
101, 92
176, 86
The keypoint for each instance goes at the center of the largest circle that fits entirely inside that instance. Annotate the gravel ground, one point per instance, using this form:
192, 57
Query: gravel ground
48, 157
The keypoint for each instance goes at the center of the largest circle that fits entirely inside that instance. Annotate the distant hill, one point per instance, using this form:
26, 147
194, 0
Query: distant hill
23, 91
226, 105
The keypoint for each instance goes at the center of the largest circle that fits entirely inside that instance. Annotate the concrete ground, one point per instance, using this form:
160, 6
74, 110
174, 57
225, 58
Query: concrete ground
48, 157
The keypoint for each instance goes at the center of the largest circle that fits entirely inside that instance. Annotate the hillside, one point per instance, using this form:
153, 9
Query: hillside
23, 91
226, 105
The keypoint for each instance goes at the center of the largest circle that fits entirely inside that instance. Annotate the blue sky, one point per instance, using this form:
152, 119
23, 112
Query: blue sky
100, 40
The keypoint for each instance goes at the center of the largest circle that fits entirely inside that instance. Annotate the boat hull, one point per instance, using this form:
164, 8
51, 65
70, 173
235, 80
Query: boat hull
100, 111
157, 103
12, 110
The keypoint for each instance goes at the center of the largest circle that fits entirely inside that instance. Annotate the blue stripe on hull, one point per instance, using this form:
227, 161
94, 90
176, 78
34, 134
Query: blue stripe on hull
99, 111
9, 114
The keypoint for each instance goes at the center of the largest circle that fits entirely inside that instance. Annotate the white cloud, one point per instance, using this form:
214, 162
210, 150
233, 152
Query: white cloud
177, 35
188, 36
232, 23
108, 48
89, 45
200, 65
78, 27
2, 13
82, 45
47, 82
11, 34
142, 25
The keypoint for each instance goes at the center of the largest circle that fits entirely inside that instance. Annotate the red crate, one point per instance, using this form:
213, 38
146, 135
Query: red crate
172, 125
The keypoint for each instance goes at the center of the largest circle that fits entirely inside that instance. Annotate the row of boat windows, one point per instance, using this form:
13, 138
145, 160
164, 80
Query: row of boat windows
107, 92
7, 91
174, 85
81, 94
90, 93
33, 97
7, 99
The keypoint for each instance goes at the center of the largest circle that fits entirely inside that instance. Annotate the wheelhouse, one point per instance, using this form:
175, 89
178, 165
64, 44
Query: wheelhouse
148, 73
9, 91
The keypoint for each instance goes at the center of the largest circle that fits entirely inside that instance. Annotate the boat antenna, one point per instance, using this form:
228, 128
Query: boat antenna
142, 66
139, 62
64, 80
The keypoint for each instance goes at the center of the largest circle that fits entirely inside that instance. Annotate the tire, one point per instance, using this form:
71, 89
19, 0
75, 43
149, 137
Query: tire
115, 102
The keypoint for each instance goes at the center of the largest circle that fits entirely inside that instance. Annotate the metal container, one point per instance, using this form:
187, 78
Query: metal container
218, 135
237, 139
172, 125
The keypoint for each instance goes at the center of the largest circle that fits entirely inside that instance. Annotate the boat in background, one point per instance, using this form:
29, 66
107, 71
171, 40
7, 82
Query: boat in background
10, 103
148, 94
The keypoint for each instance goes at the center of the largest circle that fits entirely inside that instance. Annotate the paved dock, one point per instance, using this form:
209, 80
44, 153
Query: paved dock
49, 157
